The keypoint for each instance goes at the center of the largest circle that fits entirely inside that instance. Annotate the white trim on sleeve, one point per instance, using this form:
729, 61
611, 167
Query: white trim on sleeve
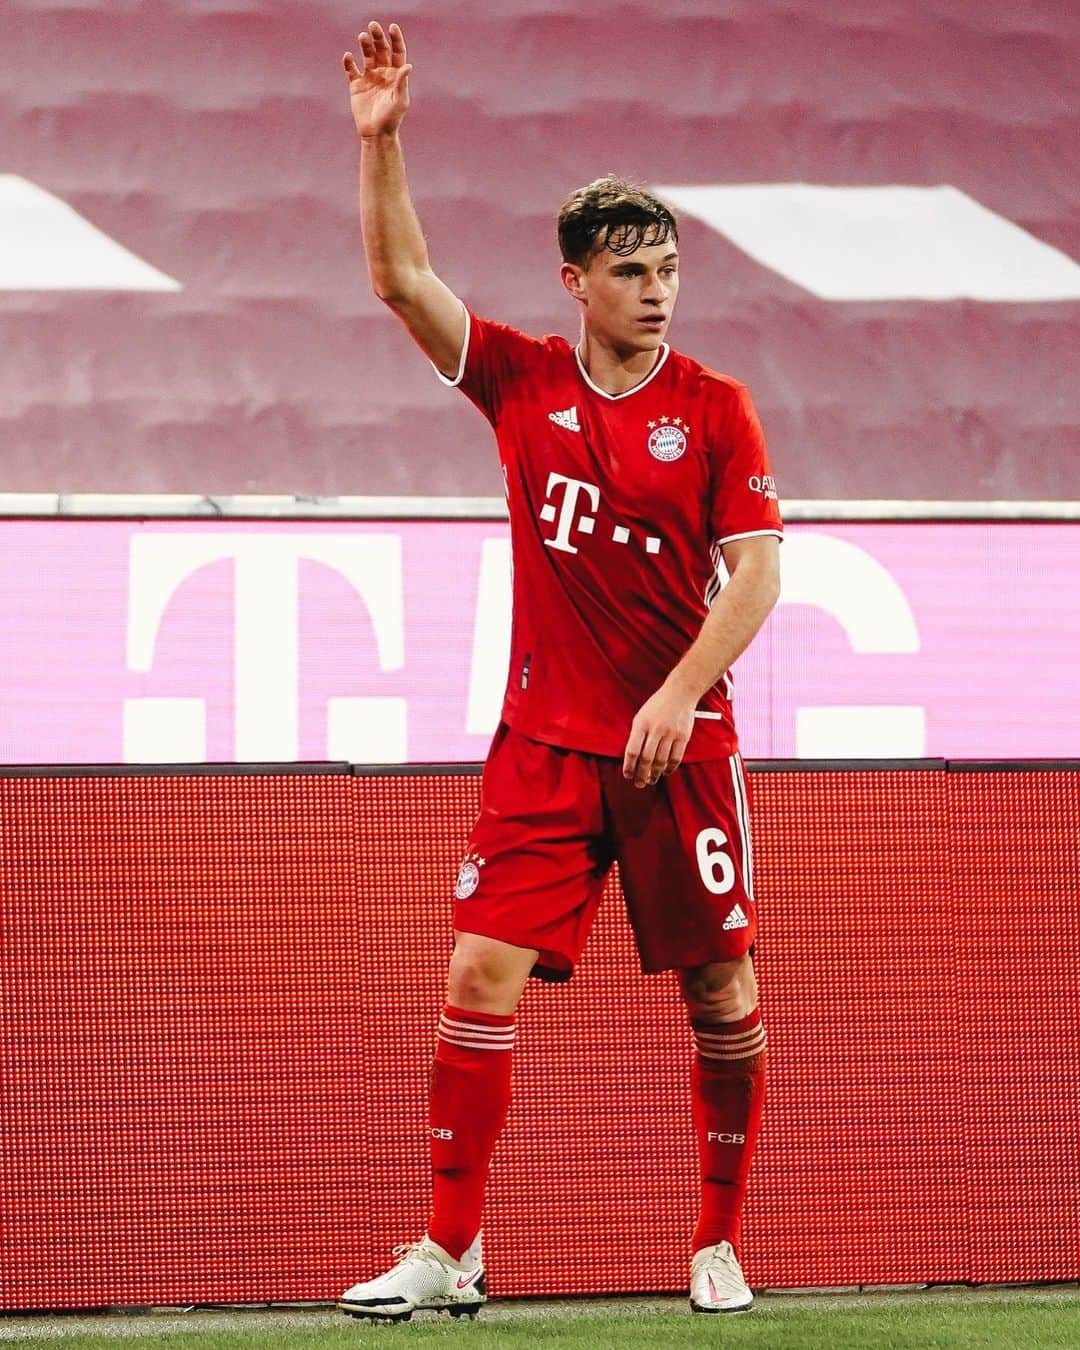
453, 383
713, 717
749, 534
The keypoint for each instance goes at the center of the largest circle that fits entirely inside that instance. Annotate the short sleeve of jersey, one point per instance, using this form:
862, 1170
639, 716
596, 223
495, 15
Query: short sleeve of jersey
492, 356
744, 496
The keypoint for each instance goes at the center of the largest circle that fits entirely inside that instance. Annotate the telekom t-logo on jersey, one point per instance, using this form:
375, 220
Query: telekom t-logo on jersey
566, 517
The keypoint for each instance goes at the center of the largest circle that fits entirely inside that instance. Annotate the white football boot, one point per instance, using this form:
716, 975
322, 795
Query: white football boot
716, 1282
425, 1277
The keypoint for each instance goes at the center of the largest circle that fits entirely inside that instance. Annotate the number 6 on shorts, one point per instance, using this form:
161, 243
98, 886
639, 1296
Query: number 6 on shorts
716, 861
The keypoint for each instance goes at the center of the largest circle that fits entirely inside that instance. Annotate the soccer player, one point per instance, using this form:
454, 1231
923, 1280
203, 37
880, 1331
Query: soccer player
630, 471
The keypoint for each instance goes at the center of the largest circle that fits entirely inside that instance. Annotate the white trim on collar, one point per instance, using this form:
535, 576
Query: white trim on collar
665, 350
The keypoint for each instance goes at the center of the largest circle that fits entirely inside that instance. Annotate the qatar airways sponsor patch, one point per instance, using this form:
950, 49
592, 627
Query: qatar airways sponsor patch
765, 484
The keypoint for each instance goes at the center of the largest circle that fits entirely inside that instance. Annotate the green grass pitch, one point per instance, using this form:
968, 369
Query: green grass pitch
1045, 1318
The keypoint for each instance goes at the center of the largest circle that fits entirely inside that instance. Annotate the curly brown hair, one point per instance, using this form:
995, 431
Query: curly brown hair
612, 214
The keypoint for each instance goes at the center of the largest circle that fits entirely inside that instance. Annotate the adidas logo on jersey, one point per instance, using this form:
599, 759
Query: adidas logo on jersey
567, 418
736, 919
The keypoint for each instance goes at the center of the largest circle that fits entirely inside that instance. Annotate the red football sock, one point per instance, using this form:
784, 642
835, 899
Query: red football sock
470, 1095
727, 1084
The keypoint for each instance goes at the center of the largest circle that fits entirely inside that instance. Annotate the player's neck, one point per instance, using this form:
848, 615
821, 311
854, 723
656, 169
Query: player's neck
612, 371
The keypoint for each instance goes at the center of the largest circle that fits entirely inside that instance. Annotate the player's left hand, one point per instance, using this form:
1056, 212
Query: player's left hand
659, 735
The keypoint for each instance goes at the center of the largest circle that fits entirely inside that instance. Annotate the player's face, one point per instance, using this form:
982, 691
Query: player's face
628, 299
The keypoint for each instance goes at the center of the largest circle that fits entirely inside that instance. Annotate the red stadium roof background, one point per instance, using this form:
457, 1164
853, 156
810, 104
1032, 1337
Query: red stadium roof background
213, 141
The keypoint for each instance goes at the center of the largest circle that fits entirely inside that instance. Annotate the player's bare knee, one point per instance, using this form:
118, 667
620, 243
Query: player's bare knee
487, 976
721, 991
474, 981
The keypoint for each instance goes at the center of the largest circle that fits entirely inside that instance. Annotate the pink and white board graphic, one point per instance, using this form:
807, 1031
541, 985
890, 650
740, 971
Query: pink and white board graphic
175, 641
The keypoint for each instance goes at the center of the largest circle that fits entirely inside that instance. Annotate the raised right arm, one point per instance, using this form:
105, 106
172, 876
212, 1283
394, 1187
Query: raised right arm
397, 255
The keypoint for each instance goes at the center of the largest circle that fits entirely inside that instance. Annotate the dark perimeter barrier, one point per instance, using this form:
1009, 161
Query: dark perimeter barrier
219, 988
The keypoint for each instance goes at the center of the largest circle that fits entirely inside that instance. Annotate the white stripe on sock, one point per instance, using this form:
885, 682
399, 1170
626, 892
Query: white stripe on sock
729, 1037
472, 1036
749, 1054
473, 1043
731, 1042
476, 1035
475, 1026
722, 1051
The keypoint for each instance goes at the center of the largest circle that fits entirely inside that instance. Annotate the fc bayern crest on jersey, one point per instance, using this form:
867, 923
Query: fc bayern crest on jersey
468, 877
667, 438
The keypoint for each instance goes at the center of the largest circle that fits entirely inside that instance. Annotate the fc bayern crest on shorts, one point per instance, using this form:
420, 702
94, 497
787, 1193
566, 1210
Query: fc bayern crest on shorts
667, 441
468, 877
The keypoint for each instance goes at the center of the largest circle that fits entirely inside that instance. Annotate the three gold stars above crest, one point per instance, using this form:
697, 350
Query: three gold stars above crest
674, 421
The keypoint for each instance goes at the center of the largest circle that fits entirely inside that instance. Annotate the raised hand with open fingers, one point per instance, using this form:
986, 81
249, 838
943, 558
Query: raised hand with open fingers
379, 82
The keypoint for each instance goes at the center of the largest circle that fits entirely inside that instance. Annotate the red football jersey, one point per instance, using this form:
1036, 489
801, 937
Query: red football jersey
618, 506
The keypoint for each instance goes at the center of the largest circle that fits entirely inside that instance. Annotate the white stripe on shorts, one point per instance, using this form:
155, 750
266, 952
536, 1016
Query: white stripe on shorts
739, 786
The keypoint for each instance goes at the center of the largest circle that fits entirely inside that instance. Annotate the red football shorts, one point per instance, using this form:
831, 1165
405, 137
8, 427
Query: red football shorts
551, 823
